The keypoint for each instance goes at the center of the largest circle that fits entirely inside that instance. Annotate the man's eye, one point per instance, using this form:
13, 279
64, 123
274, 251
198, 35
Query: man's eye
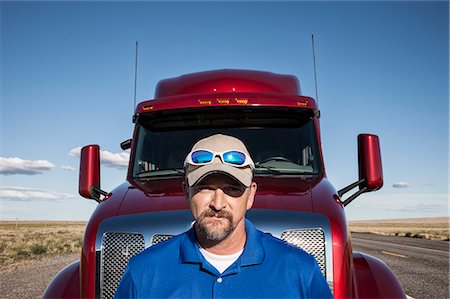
233, 191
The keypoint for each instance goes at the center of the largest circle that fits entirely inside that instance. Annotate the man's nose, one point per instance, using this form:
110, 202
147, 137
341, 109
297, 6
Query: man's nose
218, 201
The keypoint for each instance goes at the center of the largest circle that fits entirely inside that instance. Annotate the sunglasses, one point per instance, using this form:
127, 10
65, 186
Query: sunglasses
231, 157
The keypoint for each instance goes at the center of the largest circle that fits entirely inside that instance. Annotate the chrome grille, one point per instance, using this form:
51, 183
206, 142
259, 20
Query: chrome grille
310, 240
160, 238
116, 248
116, 251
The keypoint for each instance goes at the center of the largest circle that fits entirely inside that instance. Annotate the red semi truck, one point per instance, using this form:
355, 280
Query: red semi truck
295, 201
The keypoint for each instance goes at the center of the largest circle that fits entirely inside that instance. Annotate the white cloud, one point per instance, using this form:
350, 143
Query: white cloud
14, 193
11, 166
75, 152
116, 160
119, 160
401, 185
68, 168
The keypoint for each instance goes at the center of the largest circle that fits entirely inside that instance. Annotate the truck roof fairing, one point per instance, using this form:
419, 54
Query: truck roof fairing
222, 88
227, 80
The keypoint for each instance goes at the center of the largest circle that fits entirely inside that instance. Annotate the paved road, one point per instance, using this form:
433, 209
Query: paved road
422, 266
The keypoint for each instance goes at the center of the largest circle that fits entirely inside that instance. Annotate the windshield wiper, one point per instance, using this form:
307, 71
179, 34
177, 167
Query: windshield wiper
161, 172
268, 168
282, 171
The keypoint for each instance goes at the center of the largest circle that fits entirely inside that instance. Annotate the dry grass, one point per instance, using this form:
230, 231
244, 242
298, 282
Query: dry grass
28, 240
425, 228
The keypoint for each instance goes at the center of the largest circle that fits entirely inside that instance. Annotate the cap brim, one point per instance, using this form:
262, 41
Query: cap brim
197, 173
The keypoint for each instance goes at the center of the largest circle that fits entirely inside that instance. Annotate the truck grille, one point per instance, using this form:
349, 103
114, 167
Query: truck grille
116, 251
160, 238
118, 248
310, 240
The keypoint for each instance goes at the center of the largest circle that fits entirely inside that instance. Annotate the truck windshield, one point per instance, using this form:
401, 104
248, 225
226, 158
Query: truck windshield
280, 141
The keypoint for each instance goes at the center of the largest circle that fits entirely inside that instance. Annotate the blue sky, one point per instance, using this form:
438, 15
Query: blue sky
67, 79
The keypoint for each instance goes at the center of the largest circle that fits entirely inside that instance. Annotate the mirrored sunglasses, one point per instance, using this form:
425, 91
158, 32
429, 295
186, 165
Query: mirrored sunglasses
231, 157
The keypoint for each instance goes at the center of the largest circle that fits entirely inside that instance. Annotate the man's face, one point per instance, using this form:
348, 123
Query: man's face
219, 203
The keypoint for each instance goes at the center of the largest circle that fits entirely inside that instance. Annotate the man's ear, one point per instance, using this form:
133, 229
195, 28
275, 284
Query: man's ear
251, 196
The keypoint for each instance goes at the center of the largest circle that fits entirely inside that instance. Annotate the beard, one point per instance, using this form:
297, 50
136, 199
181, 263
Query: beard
215, 230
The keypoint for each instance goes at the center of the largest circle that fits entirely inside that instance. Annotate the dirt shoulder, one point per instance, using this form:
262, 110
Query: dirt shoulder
29, 279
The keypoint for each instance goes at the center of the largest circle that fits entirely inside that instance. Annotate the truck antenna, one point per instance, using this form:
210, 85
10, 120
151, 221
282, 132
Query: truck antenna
315, 72
135, 76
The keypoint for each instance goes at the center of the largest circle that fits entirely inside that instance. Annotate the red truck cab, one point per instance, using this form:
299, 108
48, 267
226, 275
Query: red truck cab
295, 201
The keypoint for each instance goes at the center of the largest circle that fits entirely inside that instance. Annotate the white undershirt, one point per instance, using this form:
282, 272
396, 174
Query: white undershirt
220, 262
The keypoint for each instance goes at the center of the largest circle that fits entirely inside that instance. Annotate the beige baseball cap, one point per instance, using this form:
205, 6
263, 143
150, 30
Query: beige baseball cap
220, 143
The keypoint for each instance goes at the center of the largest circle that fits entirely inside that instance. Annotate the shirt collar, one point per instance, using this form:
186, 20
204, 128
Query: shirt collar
253, 252
189, 252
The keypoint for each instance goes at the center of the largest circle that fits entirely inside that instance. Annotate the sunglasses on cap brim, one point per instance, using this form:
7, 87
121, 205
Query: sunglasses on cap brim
231, 157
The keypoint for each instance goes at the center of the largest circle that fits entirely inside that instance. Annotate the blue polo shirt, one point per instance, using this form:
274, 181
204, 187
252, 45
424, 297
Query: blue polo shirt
267, 268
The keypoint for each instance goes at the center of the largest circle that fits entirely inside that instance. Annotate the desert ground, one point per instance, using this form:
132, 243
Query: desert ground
32, 252
23, 241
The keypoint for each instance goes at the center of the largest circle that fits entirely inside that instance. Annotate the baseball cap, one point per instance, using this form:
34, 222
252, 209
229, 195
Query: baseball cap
218, 144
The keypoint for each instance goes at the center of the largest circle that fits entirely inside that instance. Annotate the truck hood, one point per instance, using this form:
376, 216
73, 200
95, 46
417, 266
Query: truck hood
280, 193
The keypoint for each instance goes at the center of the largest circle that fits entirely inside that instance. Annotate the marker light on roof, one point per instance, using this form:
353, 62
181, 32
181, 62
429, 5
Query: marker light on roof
223, 101
242, 101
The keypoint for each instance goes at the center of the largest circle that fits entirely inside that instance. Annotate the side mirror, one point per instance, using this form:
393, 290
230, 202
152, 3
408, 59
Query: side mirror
370, 168
89, 183
369, 158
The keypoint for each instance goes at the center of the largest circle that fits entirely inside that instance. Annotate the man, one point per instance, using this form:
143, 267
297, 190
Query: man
223, 255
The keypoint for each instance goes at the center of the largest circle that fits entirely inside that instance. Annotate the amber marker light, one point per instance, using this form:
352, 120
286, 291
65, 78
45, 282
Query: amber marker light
302, 103
223, 101
241, 101
205, 102
147, 108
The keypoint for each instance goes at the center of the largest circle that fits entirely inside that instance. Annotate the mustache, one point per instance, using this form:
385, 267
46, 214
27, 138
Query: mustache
218, 214
212, 231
